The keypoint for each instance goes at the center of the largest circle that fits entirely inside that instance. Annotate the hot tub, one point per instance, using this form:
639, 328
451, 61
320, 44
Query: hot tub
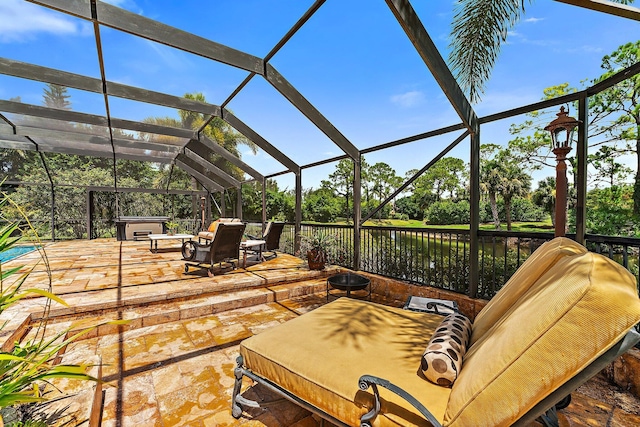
139, 227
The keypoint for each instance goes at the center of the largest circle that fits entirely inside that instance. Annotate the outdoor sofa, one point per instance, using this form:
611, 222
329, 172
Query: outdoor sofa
562, 317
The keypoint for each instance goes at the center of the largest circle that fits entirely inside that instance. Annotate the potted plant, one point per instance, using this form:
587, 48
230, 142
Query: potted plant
317, 246
172, 228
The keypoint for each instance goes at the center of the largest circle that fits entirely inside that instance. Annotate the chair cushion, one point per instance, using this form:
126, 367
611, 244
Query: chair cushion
546, 256
321, 355
442, 359
207, 234
213, 226
572, 314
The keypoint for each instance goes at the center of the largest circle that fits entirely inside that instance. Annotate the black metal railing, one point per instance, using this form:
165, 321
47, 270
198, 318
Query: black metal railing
439, 257
624, 250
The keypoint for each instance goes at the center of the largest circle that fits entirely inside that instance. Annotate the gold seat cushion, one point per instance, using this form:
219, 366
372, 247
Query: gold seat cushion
321, 355
572, 314
545, 257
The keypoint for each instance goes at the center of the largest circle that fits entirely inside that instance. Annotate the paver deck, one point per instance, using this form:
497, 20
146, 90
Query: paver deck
172, 364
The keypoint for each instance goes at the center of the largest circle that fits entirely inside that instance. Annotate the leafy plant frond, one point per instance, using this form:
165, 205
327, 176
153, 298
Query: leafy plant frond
478, 30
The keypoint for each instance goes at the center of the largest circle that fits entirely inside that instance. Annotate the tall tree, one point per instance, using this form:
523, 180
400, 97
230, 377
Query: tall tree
384, 181
56, 96
545, 197
614, 117
620, 104
446, 175
478, 29
217, 130
515, 183
341, 182
502, 174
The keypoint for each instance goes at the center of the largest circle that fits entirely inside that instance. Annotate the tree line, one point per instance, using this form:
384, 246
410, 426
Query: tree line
438, 196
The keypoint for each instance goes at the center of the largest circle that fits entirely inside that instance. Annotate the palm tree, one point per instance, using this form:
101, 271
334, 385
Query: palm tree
545, 197
478, 29
491, 183
515, 183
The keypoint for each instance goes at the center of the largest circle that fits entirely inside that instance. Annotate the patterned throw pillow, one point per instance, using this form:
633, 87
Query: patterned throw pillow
442, 360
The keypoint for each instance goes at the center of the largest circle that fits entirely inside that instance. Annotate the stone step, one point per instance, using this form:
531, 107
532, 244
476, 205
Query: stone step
175, 310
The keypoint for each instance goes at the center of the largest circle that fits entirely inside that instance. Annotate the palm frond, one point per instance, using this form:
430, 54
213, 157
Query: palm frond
478, 30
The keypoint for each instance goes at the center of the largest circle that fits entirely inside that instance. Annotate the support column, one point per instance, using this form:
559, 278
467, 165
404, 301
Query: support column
298, 224
581, 174
264, 203
239, 202
53, 213
474, 224
89, 214
357, 210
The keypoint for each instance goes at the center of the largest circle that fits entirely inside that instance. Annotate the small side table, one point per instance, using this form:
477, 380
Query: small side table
442, 307
251, 245
155, 237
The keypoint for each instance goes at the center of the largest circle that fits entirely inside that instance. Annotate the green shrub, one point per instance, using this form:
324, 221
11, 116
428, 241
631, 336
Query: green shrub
449, 212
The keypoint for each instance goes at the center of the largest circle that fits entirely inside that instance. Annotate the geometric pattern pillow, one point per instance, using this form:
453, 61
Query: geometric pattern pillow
442, 359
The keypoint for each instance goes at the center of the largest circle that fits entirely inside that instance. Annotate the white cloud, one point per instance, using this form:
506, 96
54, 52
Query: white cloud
21, 21
408, 99
533, 20
173, 58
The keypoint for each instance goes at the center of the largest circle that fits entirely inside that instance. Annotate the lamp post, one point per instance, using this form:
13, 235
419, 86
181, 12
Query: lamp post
203, 211
561, 130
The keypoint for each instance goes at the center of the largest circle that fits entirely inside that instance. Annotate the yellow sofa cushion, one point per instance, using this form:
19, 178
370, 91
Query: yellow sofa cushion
571, 315
320, 357
545, 257
211, 231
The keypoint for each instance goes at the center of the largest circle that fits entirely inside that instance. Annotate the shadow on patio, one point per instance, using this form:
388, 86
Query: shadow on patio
172, 364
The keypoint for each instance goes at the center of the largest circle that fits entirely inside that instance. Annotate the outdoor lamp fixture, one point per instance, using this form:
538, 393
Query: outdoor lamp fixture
561, 130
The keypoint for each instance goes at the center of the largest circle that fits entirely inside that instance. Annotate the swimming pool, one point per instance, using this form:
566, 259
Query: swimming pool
15, 252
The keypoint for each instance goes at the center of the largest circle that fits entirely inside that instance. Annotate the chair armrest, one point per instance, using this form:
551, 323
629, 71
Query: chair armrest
251, 237
367, 381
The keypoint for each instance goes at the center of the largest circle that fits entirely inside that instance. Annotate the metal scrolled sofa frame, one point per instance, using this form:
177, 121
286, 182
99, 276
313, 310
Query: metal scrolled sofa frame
562, 317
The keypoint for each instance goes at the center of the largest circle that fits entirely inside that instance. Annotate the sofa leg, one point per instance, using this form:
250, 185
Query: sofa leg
236, 409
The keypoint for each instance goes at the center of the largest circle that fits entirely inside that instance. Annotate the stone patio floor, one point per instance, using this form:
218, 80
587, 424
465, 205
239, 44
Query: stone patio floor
172, 363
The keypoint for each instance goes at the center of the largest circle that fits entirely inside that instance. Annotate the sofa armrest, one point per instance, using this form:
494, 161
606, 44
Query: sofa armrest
367, 381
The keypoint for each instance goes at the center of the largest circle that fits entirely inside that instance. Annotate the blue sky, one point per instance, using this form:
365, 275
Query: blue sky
352, 61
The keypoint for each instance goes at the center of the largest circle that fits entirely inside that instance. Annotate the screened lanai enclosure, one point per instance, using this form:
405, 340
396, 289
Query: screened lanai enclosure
116, 128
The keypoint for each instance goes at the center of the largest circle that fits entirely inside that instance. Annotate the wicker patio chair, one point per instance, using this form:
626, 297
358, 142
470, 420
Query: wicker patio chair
223, 248
271, 236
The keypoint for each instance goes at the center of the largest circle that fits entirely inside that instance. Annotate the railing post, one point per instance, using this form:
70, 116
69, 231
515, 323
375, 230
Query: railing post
357, 211
264, 203
89, 214
298, 225
474, 202
239, 202
53, 213
581, 174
